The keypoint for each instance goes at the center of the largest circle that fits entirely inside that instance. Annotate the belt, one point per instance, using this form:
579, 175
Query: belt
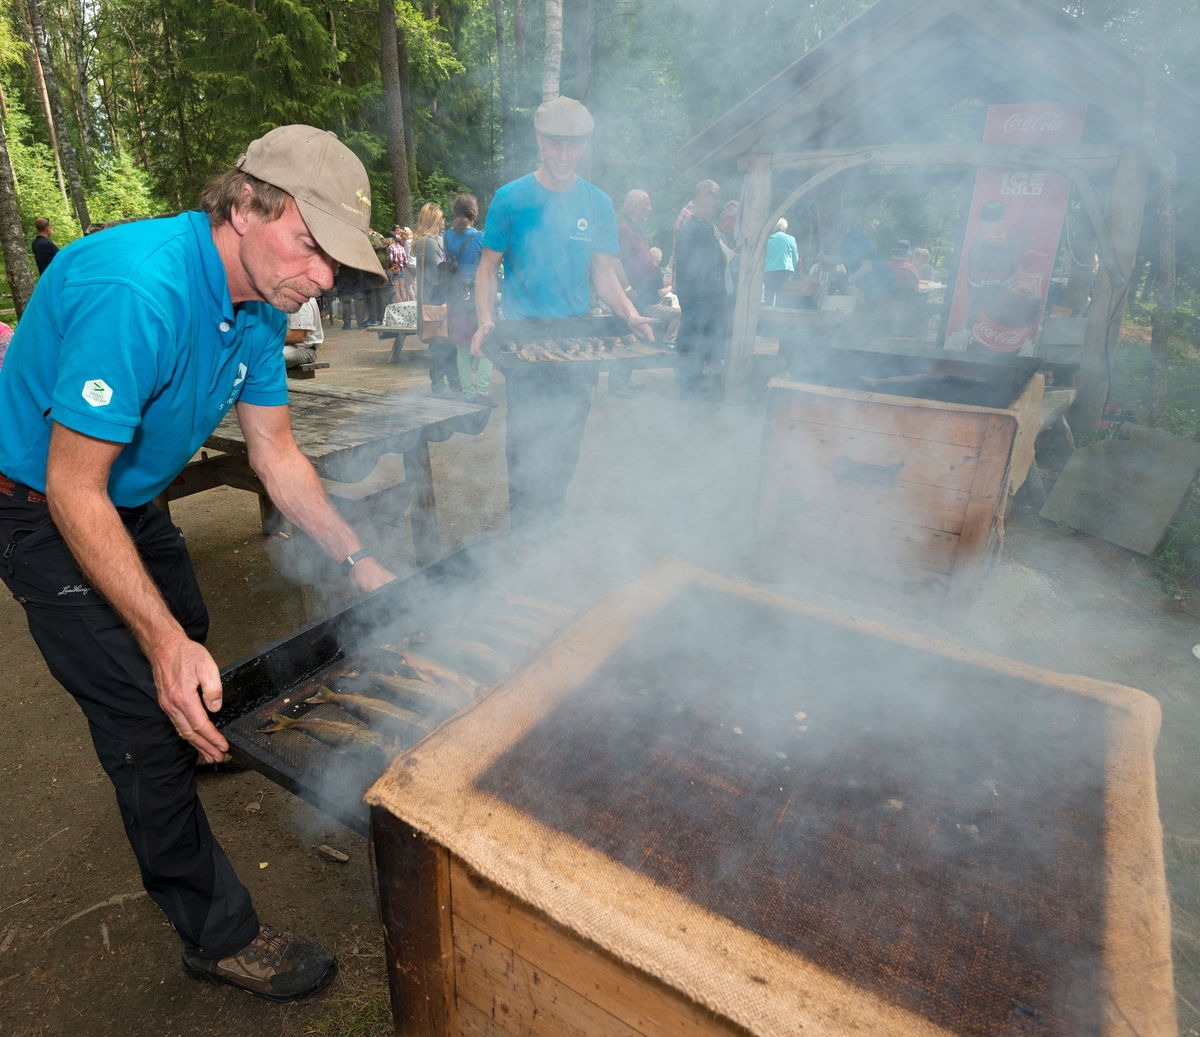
19, 491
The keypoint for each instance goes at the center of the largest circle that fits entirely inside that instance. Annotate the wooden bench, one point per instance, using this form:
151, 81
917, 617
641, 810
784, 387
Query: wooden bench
307, 370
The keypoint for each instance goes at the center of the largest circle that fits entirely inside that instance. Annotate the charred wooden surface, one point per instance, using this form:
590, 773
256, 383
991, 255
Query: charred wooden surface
413, 876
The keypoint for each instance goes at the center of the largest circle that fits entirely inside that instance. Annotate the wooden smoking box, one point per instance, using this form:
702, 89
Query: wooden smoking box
703, 809
866, 490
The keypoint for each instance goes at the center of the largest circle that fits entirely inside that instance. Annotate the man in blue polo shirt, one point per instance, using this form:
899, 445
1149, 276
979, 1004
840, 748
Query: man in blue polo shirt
552, 229
134, 345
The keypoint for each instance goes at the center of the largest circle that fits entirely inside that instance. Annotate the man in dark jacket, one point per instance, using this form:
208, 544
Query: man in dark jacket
44, 249
700, 283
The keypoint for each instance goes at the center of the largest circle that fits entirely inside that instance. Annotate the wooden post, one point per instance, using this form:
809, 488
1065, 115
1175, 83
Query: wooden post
419, 472
413, 880
1126, 202
752, 215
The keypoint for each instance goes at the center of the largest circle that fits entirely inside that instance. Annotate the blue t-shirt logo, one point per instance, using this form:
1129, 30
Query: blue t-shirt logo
581, 227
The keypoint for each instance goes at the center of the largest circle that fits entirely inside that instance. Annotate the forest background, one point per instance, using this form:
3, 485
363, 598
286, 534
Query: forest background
117, 109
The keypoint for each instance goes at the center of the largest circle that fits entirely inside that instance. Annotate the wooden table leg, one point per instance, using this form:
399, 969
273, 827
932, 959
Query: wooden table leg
419, 472
413, 881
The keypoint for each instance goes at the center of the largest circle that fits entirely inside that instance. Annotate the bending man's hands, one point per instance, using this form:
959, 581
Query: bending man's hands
180, 667
368, 575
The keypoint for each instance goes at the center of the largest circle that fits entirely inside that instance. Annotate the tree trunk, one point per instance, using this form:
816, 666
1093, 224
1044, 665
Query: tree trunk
336, 75
585, 34
502, 72
1164, 162
80, 26
135, 82
519, 30
55, 100
12, 240
389, 66
78, 82
35, 65
410, 137
552, 66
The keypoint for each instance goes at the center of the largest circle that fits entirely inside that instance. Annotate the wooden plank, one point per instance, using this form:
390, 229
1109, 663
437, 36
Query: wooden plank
519, 997
933, 507
752, 214
638, 1001
912, 421
1126, 205
413, 881
1093, 156
473, 1023
932, 464
986, 493
912, 545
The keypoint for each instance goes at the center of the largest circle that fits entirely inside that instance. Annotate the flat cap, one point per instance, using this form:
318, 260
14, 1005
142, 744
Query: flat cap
563, 117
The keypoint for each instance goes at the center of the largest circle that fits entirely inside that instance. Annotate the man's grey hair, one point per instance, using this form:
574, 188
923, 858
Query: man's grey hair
707, 187
781, 225
633, 198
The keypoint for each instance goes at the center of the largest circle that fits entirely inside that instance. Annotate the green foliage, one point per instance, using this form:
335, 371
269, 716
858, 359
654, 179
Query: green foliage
122, 192
38, 193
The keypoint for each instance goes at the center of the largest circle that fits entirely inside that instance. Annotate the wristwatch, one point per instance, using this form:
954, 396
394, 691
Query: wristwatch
354, 559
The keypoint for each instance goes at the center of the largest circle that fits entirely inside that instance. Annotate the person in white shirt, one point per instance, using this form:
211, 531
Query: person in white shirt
304, 335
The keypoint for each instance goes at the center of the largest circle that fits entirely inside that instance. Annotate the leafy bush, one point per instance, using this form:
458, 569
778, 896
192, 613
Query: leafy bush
123, 191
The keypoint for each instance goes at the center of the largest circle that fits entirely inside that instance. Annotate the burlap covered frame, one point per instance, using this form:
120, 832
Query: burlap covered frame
717, 964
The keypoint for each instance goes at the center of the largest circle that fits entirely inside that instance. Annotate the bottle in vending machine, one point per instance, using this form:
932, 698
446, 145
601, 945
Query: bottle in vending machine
991, 259
1010, 316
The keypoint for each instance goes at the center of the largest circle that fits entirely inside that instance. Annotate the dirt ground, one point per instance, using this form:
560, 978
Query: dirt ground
82, 949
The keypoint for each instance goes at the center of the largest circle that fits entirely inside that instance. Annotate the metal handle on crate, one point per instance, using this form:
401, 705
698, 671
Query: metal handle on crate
860, 471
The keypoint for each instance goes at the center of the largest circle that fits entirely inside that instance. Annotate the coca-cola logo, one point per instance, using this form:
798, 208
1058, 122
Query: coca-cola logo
999, 338
1042, 122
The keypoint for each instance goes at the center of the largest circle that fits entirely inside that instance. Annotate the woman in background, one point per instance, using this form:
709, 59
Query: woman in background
427, 246
464, 248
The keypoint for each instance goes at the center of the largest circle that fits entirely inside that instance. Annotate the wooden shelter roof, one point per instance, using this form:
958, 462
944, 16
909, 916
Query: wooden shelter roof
890, 72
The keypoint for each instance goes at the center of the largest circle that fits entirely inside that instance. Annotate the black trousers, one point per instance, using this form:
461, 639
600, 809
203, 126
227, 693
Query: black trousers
358, 305
443, 364
91, 652
548, 408
701, 337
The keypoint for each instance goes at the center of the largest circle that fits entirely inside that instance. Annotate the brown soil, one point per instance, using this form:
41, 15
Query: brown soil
656, 477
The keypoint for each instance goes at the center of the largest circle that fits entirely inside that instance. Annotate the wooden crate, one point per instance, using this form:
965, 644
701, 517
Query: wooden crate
502, 919
863, 490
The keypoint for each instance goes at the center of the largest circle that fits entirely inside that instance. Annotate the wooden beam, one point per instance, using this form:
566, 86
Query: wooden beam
752, 213
1127, 200
818, 75
1090, 156
413, 882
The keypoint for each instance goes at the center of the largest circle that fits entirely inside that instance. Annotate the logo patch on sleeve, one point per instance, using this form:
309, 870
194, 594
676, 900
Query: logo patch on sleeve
97, 392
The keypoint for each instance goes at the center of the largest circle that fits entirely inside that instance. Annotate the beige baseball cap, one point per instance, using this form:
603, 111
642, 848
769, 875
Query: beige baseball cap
563, 117
330, 187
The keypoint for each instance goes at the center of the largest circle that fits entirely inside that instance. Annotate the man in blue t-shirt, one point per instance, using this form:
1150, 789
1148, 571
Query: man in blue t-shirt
135, 344
553, 230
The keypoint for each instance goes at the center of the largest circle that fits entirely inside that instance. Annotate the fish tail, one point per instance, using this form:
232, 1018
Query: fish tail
281, 723
323, 695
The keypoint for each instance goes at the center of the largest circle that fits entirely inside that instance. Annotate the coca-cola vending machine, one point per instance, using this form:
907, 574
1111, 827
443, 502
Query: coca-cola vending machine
1013, 228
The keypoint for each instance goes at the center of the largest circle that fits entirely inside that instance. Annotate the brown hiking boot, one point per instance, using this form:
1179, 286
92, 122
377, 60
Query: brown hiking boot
277, 966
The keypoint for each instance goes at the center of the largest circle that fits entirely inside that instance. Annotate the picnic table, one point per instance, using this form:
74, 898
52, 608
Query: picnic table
344, 431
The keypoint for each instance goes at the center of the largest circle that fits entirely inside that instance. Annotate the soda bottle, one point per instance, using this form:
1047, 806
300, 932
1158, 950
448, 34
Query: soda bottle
1010, 317
991, 259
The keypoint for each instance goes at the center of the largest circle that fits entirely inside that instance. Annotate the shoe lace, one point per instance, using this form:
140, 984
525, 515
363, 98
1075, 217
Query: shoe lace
271, 943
